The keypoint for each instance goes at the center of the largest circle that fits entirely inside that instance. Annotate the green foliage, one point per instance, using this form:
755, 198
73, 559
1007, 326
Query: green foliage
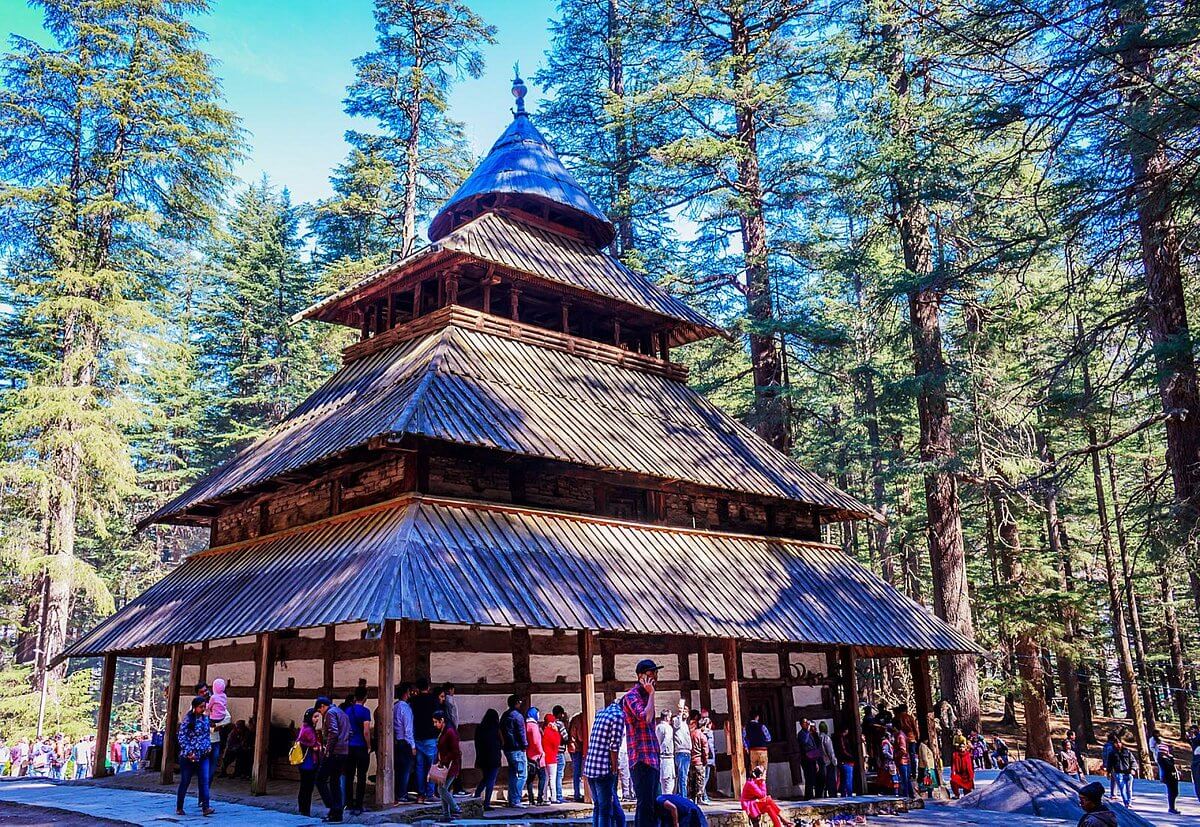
70, 706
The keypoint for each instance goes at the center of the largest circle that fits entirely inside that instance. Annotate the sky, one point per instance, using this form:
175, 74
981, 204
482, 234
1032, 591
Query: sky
285, 66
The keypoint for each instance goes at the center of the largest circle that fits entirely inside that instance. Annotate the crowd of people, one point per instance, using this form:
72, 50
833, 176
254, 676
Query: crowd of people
66, 759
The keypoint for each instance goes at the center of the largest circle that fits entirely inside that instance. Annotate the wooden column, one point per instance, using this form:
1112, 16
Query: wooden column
407, 646
385, 793
587, 692
265, 675
203, 675
566, 317
171, 727
514, 303
328, 657
108, 675
733, 695
918, 665
705, 677
853, 719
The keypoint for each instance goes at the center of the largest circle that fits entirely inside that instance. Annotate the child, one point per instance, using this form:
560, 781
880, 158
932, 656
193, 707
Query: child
218, 703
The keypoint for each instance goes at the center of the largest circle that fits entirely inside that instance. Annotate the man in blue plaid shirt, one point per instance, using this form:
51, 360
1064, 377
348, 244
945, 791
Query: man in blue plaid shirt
600, 766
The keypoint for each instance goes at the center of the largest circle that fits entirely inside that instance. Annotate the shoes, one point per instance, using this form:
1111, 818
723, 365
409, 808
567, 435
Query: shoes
521, 805
209, 811
179, 812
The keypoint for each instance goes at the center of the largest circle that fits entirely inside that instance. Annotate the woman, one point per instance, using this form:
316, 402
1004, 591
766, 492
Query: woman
195, 750
962, 767
756, 802
847, 758
487, 755
449, 756
829, 759
560, 721
1168, 773
536, 757
553, 736
311, 744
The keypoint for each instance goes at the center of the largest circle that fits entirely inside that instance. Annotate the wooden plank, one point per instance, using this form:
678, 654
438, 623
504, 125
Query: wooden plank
406, 644
108, 676
587, 692
171, 725
329, 647
608, 669
522, 645
850, 684
203, 678
424, 647
264, 677
733, 693
385, 793
705, 678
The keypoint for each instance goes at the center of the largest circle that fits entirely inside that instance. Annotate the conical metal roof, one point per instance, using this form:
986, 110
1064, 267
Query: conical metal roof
522, 172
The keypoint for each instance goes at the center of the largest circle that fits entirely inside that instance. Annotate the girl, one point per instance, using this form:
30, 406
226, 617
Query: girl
537, 758
311, 744
552, 740
195, 749
449, 755
487, 755
756, 802
962, 767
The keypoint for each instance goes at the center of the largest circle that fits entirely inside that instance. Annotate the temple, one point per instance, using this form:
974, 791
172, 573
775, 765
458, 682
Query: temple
510, 485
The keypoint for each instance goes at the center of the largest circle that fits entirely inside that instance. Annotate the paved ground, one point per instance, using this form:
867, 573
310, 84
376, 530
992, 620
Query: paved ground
1149, 801
19, 815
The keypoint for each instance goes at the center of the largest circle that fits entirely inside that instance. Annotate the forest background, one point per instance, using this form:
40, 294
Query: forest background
957, 242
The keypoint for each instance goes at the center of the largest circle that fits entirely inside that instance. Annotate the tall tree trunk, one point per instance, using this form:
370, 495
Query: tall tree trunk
1164, 567
770, 413
148, 695
412, 147
623, 157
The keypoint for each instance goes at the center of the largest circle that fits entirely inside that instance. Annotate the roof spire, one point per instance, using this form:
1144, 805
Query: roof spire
519, 89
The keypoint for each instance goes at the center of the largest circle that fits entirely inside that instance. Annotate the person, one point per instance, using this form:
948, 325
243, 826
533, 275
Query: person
999, 752
757, 738
847, 758
335, 737
237, 743
218, 703
906, 722
1120, 768
214, 737
676, 811
1194, 744
535, 756
710, 768
404, 751
358, 759
638, 708
195, 750
487, 755
697, 757
554, 736
889, 772
962, 767
828, 759
449, 757
1095, 814
1152, 744
756, 802
82, 752
450, 705
1070, 761
600, 766
1168, 773
682, 732
512, 731
665, 734
575, 748
1105, 753
810, 758
424, 703
903, 761
310, 743
929, 770
978, 751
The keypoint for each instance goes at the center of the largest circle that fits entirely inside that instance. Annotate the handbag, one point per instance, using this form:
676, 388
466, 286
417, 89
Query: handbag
438, 774
297, 755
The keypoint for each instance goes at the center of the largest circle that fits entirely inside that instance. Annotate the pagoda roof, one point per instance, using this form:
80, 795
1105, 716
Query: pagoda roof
450, 561
523, 172
482, 389
540, 254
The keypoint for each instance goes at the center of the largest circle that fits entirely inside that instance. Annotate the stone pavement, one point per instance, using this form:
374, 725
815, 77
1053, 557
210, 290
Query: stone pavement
137, 807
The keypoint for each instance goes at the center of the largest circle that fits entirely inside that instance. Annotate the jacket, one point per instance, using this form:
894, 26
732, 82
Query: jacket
448, 750
1120, 761
193, 738
512, 730
1100, 818
487, 747
336, 728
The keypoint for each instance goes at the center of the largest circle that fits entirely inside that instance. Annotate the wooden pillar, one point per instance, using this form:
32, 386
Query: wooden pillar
522, 646
451, 296
608, 667
203, 673
587, 692
385, 792
265, 675
328, 657
391, 310
566, 317
853, 719
918, 665
616, 334
514, 303
417, 299
108, 676
705, 678
733, 695
664, 346
171, 726
407, 646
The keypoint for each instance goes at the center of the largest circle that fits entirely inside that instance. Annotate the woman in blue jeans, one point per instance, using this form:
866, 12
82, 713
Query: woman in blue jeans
195, 750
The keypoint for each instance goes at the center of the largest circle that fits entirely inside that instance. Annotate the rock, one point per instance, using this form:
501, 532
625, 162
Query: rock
1036, 788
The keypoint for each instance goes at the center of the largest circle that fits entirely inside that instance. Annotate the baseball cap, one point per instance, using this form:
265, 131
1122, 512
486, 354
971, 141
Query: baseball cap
647, 666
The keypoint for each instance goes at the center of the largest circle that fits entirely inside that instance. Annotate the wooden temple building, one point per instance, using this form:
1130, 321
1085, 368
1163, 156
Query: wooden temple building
510, 486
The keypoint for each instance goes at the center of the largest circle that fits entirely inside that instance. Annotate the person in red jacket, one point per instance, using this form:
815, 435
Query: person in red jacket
449, 757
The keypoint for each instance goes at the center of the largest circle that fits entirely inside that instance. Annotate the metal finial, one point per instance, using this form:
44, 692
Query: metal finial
519, 89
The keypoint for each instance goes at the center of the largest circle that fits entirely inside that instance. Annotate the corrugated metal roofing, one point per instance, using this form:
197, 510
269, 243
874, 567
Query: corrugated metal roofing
474, 563
473, 388
523, 163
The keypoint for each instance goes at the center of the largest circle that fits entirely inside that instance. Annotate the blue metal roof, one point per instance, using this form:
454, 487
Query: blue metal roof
522, 163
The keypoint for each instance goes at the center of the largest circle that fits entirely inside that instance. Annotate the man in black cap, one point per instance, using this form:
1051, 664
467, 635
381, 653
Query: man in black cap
1095, 814
638, 708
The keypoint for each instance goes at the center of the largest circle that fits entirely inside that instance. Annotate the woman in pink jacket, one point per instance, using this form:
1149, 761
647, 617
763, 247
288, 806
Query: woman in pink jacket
537, 757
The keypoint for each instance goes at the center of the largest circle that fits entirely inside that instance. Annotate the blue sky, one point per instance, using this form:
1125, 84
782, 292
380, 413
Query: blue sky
285, 65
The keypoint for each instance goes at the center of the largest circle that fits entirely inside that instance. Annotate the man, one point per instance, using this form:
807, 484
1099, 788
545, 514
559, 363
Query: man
335, 729
1194, 742
83, 758
757, 738
214, 737
906, 722
665, 733
1095, 814
424, 703
677, 811
512, 735
683, 746
698, 758
575, 746
810, 753
405, 751
1120, 768
638, 708
600, 766
451, 706
359, 757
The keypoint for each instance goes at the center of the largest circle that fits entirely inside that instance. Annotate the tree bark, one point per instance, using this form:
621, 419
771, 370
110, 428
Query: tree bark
623, 156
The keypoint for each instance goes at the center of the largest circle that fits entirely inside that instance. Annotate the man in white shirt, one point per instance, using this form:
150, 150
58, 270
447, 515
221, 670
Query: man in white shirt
405, 750
666, 752
683, 744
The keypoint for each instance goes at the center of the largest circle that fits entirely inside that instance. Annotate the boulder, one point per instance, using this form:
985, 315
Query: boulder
1036, 788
